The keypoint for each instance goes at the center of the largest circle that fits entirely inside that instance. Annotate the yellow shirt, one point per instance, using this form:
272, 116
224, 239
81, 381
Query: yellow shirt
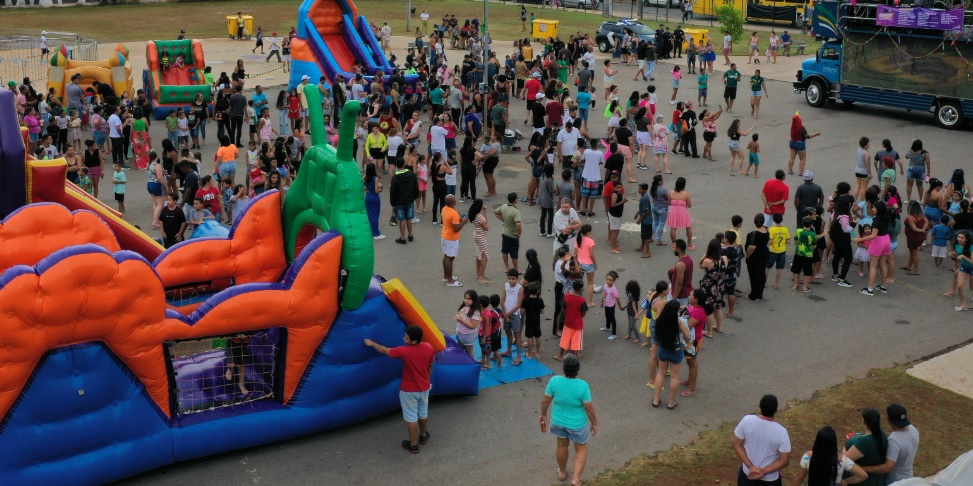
779, 235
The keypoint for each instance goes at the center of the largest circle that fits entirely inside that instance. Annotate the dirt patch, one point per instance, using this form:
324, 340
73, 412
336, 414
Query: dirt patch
942, 417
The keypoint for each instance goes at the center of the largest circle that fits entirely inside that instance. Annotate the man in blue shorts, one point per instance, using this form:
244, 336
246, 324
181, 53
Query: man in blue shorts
417, 358
403, 191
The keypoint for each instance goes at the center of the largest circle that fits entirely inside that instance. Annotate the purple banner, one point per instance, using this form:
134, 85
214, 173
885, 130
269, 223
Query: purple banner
920, 18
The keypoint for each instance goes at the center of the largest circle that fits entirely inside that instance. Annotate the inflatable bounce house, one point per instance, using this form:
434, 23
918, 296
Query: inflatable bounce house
117, 357
331, 39
114, 71
174, 75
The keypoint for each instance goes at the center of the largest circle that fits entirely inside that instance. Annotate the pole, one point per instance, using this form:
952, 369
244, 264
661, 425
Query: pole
408, 17
486, 59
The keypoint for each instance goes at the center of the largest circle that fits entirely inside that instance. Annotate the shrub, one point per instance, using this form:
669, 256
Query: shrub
730, 20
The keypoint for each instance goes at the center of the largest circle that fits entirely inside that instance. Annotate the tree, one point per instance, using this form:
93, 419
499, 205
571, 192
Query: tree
730, 20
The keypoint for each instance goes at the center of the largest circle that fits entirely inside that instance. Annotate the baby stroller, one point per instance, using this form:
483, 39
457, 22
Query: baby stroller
510, 138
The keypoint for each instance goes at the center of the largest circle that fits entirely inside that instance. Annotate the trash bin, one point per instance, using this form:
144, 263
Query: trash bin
544, 28
698, 35
231, 25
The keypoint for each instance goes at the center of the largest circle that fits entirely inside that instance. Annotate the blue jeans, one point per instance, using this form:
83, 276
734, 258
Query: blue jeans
174, 138
659, 216
283, 124
202, 130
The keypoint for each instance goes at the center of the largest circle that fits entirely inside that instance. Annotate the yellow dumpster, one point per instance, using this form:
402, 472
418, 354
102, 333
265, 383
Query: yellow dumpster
698, 35
232, 26
544, 28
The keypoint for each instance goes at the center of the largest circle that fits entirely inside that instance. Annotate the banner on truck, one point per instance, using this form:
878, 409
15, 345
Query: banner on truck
910, 64
919, 18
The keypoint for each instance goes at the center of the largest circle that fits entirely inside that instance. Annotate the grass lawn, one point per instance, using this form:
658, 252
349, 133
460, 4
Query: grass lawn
941, 416
201, 20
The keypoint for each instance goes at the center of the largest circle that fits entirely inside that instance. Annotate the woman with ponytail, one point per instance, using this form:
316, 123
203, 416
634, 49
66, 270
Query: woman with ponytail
823, 466
868, 448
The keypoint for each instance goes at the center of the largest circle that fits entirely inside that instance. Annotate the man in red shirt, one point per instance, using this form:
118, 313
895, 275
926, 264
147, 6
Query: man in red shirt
417, 358
774, 194
681, 274
555, 114
533, 86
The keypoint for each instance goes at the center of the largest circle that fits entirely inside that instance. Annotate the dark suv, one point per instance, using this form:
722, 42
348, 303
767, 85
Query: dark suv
618, 30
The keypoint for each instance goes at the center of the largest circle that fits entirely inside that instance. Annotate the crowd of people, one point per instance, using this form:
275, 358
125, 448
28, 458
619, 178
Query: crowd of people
575, 175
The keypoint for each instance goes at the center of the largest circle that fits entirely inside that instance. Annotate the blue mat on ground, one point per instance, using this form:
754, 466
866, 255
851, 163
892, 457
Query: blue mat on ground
508, 373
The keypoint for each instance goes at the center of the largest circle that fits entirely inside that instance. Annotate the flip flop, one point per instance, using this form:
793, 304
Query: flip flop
656, 404
517, 362
674, 405
687, 393
562, 475
912, 273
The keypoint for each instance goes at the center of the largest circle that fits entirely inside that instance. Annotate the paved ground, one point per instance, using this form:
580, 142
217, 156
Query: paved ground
950, 370
791, 344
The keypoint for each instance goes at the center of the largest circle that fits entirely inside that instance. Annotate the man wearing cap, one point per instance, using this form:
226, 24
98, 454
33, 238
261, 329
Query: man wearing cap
902, 447
532, 87
774, 195
807, 196
304, 105
45, 47
537, 113
274, 47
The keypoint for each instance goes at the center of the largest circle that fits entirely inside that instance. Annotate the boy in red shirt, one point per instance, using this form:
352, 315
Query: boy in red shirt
575, 308
490, 325
417, 358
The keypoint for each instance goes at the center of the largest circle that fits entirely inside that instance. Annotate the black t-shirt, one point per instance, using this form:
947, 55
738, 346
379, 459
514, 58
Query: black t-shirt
641, 50
535, 155
963, 221
532, 310
467, 155
690, 117
538, 112
614, 162
190, 185
172, 220
616, 211
624, 136
642, 124
532, 274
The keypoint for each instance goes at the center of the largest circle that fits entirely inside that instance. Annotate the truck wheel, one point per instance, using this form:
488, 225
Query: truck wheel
949, 115
603, 46
816, 94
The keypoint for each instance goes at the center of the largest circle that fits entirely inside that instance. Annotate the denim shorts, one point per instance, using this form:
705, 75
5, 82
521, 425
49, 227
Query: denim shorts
778, 259
916, 174
415, 405
578, 436
405, 212
228, 169
467, 339
587, 268
674, 357
512, 323
99, 137
799, 146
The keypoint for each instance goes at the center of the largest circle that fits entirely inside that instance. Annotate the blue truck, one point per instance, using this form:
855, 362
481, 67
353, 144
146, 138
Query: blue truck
918, 70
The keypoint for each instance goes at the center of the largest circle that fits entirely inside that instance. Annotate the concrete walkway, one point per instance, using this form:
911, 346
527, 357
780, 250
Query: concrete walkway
952, 371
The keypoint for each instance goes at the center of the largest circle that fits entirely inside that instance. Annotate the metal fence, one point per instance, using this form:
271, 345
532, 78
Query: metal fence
20, 56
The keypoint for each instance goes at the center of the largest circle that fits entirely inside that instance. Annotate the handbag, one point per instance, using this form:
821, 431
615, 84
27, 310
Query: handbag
393, 221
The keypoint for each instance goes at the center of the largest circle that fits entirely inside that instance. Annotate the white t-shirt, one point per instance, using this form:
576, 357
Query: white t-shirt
274, 44
561, 221
568, 141
844, 465
394, 143
764, 441
726, 41
590, 57
438, 137
114, 126
593, 160
424, 16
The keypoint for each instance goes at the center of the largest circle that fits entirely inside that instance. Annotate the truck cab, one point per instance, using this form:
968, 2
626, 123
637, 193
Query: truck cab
819, 75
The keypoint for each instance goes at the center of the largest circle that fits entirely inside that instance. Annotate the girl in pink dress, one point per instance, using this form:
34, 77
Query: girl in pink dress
679, 203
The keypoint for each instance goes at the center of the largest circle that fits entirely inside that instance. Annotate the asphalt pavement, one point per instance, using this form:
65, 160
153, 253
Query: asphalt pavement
790, 344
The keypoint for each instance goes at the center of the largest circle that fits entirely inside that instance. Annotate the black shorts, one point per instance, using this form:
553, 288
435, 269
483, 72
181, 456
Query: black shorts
530, 104
119, 197
532, 328
510, 246
730, 93
520, 84
709, 136
45, 51
376, 153
496, 341
260, 43
566, 161
236, 347
646, 231
437, 110
490, 165
802, 265
253, 128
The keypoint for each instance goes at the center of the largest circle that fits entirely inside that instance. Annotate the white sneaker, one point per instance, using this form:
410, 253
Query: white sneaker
597, 288
612, 337
603, 329
379, 237
415, 220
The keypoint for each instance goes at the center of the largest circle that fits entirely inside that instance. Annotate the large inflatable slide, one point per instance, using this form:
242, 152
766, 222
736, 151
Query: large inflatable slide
114, 71
174, 75
331, 39
115, 360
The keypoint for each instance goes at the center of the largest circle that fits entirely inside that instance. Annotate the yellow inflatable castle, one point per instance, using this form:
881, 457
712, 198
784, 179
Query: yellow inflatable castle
114, 71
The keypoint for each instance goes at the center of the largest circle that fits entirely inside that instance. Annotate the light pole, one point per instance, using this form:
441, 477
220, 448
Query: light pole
486, 59
408, 17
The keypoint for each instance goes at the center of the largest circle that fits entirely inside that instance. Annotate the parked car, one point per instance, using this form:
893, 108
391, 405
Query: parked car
585, 4
662, 3
618, 29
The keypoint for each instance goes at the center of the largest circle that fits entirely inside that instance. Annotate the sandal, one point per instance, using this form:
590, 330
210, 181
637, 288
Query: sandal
562, 475
672, 406
687, 393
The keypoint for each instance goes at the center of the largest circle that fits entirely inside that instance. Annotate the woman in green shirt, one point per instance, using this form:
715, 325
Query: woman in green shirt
573, 417
868, 448
141, 144
758, 88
